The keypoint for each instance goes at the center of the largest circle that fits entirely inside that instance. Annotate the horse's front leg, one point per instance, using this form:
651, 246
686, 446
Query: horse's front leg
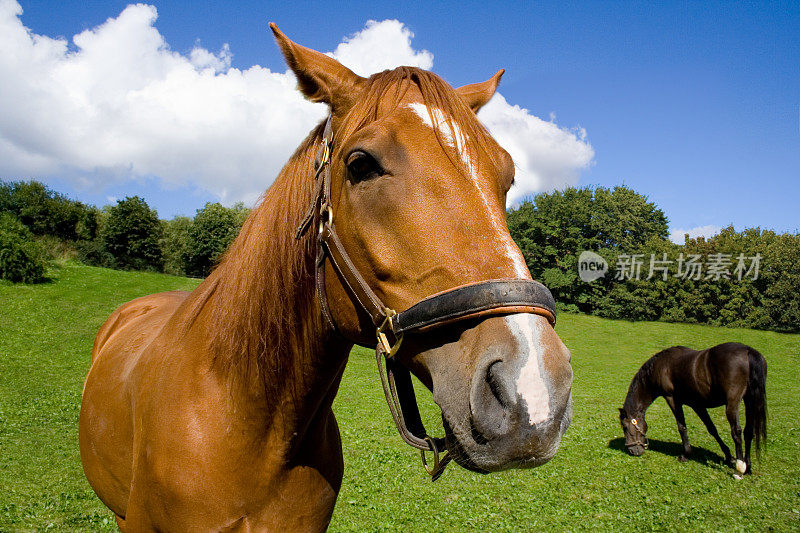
732, 412
677, 410
703, 414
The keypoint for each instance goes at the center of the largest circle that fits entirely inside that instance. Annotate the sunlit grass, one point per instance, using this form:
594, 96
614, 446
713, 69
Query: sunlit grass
46, 333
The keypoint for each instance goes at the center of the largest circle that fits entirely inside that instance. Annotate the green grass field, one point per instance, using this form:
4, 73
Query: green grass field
46, 334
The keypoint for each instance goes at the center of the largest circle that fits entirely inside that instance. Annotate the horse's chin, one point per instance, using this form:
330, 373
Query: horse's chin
636, 451
473, 451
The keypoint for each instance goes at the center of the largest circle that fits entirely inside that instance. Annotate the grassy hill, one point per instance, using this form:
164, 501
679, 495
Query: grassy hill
46, 333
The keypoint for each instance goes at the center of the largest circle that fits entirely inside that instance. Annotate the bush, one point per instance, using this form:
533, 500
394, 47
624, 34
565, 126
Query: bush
46, 212
11, 224
21, 259
57, 250
93, 253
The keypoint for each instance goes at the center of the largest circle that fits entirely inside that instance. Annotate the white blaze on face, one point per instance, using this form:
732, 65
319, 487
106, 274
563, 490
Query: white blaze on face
531, 383
454, 137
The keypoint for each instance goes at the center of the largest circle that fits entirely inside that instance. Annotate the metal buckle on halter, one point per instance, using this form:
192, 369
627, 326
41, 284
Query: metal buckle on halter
386, 326
325, 209
439, 461
326, 155
644, 444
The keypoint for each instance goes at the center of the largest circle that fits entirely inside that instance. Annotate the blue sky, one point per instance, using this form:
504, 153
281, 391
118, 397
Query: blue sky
696, 105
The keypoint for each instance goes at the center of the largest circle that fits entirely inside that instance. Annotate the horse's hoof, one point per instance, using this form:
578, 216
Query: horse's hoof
737, 476
741, 466
683, 458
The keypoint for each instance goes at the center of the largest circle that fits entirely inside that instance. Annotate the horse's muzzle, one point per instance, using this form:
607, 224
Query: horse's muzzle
635, 450
502, 430
519, 405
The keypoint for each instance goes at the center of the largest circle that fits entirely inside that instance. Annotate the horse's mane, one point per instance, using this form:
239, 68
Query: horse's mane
261, 296
646, 370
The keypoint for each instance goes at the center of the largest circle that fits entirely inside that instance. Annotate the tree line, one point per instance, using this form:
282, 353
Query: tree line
749, 278
38, 225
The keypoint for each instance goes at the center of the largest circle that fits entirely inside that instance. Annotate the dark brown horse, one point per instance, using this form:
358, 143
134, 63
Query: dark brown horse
211, 410
722, 375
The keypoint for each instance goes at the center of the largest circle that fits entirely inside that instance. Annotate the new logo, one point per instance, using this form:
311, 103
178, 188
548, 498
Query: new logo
591, 266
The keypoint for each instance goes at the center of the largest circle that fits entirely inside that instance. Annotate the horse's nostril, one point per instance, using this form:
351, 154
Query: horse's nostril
492, 400
495, 381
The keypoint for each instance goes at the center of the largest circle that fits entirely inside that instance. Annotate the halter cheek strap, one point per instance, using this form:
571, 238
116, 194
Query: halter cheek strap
474, 300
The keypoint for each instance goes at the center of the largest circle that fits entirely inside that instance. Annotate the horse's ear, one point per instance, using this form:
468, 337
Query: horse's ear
319, 77
477, 95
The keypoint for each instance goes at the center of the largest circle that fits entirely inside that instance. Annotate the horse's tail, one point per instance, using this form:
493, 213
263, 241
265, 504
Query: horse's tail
756, 397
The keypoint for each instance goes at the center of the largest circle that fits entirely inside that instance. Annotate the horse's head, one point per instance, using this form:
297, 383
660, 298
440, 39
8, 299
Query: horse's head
634, 426
418, 189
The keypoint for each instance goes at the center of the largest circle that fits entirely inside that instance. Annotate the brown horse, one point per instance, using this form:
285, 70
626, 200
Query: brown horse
722, 375
211, 410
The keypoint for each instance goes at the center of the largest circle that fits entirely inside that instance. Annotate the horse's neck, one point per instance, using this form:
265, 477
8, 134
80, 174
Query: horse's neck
640, 395
292, 381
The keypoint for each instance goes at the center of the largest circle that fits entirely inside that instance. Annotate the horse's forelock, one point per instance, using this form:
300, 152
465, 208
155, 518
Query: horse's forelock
385, 90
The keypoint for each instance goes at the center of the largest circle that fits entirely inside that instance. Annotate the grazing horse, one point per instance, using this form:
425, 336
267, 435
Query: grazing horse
722, 375
211, 410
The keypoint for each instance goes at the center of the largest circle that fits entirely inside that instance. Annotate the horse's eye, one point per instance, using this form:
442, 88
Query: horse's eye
362, 166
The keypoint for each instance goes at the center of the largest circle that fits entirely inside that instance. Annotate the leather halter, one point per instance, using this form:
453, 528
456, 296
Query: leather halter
474, 300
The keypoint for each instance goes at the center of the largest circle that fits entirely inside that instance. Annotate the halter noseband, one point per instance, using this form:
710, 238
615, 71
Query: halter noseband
481, 299
643, 442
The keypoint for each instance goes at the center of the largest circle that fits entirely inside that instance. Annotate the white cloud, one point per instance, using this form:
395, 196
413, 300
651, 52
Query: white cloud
122, 105
202, 59
677, 235
380, 46
546, 156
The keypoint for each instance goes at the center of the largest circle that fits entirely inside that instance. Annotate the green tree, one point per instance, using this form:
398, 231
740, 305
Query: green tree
780, 281
624, 219
213, 229
553, 229
131, 235
175, 245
